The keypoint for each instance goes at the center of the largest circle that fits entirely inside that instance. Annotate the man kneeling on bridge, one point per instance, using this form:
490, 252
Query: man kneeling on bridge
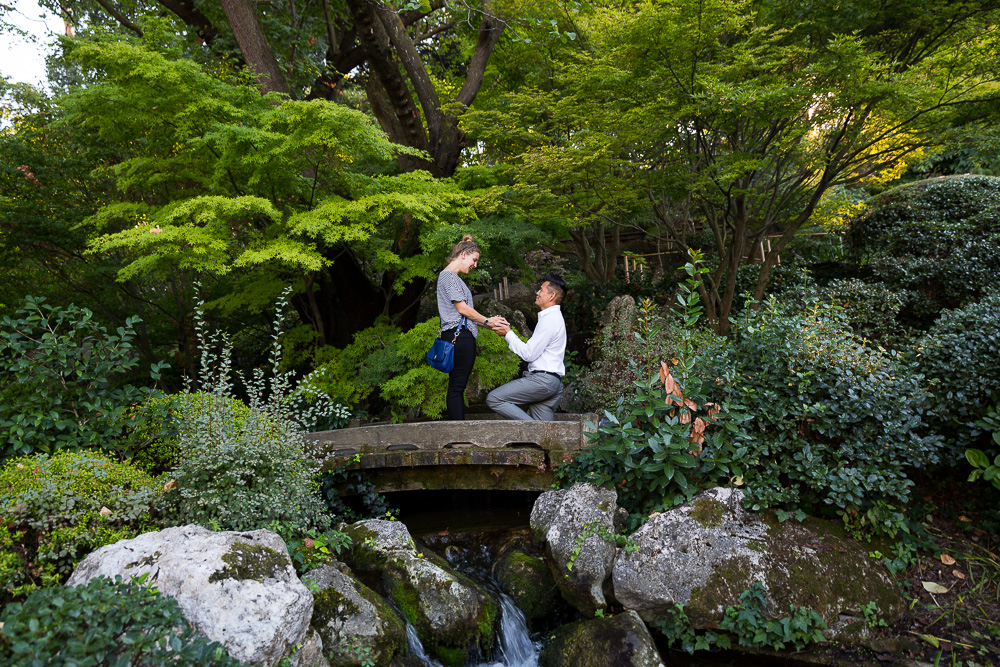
540, 388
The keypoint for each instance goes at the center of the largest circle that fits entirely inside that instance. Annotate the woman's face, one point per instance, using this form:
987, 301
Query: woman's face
468, 261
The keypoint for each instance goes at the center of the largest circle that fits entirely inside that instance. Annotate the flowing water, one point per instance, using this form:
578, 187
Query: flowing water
515, 646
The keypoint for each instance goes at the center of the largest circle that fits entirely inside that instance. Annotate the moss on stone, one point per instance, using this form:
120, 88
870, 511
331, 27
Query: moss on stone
330, 605
144, 562
450, 656
528, 581
708, 512
246, 561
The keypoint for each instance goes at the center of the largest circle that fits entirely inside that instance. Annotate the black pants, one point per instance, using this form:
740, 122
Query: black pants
458, 379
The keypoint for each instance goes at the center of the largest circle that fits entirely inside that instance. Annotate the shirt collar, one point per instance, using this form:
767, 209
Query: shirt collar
548, 311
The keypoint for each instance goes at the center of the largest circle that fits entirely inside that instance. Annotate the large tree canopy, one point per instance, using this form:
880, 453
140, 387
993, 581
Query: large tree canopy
733, 118
421, 64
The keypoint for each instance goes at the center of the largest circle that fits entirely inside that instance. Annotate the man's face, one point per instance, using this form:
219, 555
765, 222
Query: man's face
543, 297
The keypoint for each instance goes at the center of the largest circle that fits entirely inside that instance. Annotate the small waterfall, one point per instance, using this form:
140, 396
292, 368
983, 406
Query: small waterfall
417, 648
516, 647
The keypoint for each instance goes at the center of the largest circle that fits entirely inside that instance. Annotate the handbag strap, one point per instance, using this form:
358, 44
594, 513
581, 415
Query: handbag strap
458, 330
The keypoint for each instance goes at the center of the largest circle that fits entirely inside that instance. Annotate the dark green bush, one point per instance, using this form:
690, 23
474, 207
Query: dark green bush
960, 355
63, 380
939, 237
832, 423
58, 509
871, 309
103, 623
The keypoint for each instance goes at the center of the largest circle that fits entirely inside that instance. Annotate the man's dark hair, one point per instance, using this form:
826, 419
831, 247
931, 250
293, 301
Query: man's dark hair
558, 285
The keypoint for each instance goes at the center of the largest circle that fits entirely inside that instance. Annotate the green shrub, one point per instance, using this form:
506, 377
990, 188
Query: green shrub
244, 467
62, 377
58, 509
939, 237
665, 439
384, 359
833, 422
871, 309
101, 623
960, 355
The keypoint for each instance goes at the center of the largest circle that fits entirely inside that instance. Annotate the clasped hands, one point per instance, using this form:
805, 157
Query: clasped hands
499, 325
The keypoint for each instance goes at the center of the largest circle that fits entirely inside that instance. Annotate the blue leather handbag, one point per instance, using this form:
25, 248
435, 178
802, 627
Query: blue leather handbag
442, 353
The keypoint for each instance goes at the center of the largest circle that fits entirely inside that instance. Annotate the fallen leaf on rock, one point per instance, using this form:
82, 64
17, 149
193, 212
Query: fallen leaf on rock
172, 484
931, 639
964, 518
654, 514
932, 587
947, 560
958, 574
105, 511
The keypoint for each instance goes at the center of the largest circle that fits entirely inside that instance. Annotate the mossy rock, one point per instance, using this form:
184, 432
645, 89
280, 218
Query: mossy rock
528, 581
355, 623
453, 616
619, 640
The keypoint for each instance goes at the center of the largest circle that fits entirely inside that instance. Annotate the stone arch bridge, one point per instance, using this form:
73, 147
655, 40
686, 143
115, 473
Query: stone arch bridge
481, 453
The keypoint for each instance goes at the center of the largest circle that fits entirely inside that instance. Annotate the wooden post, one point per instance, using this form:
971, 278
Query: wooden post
626, 269
506, 288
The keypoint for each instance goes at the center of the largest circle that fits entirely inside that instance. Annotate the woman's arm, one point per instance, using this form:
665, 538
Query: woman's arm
468, 311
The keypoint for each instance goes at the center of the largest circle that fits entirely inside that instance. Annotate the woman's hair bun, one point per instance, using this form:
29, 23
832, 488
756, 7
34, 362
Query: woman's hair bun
468, 237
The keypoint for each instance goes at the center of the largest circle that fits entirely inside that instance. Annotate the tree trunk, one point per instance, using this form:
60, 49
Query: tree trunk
242, 15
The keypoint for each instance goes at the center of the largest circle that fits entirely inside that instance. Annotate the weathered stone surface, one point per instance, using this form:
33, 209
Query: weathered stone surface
622, 641
450, 612
309, 653
570, 523
706, 553
528, 581
353, 621
236, 588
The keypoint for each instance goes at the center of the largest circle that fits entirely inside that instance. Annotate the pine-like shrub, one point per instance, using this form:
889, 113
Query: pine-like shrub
58, 509
832, 422
104, 623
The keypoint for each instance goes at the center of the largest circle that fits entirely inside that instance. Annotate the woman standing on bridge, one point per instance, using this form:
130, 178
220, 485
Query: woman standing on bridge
455, 309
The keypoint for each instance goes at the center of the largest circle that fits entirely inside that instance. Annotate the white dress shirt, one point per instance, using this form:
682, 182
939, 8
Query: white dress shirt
546, 348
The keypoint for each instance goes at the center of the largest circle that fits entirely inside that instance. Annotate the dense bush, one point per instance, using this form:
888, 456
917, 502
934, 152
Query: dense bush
871, 309
664, 440
960, 355
244, 467
384, 359
103, 623
940, 237
63, 380
832, 423
58, 509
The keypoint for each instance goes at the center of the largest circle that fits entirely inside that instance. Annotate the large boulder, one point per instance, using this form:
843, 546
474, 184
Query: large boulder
451, 614
575, 526
354, 622
621, 640
236, 588
705, 553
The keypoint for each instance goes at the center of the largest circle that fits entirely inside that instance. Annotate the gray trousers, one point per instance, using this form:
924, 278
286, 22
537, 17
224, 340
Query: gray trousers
541, 393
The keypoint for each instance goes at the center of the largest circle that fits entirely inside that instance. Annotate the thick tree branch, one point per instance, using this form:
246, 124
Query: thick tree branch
121, 18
